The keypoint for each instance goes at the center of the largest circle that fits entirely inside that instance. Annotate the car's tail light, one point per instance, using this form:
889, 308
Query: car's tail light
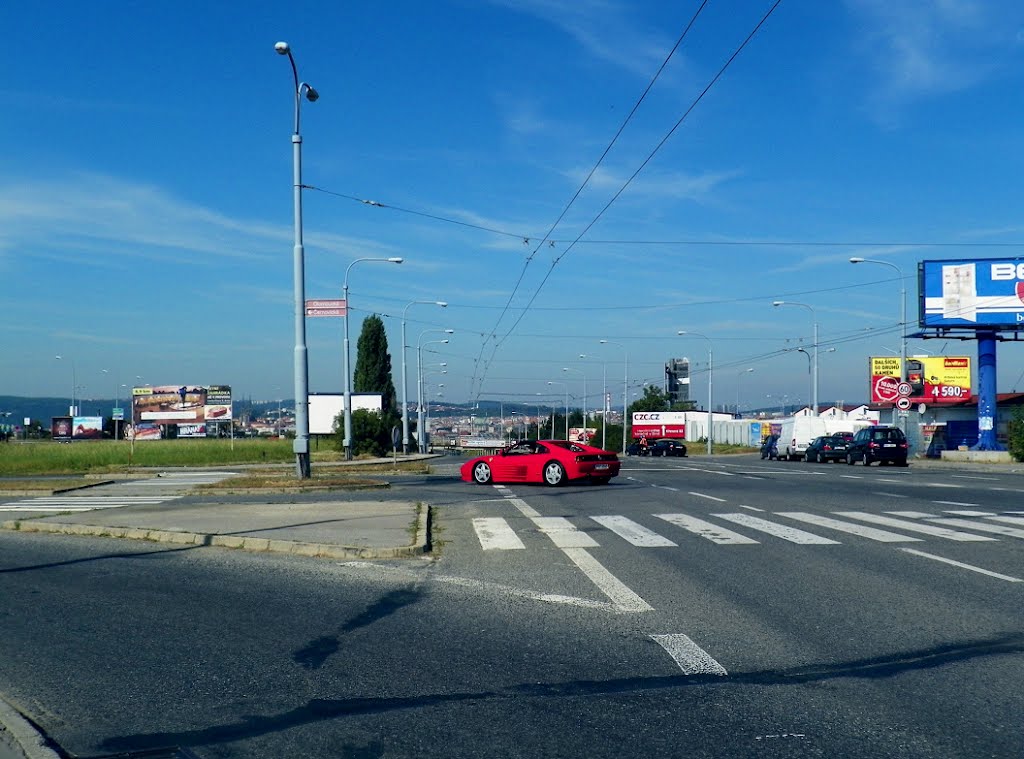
873, 444
903, 445
828, 447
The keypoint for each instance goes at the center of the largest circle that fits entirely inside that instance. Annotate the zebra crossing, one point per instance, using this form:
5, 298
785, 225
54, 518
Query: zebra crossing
167, 486
499, 534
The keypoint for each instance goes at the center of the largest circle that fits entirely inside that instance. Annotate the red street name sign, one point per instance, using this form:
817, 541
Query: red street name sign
328, 307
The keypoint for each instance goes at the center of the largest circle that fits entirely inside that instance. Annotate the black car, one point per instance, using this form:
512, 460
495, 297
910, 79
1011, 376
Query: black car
635, 449
884, 444
667, 448
826, 448
770, 447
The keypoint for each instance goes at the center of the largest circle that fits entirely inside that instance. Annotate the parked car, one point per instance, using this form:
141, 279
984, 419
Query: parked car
884, 444
827, 448
551, 462
635, 449
667, 448
770, 448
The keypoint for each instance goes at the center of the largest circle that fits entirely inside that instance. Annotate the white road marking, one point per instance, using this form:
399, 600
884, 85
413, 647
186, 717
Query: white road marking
851, 477
997, 529
633, 533
1007, 520
940, 485
954, 503
712, 532
911, 514
969, 513
750, 508
960, 564
791, 534
1006, 490
665, 487
890, 495
563, 533
691, 658
495, 534
940, 532
970, 477
709, 497
872, 533
886, 479
524, 508
622, 597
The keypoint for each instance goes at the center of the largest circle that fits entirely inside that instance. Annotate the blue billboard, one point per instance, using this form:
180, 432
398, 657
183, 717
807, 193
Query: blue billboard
985, 293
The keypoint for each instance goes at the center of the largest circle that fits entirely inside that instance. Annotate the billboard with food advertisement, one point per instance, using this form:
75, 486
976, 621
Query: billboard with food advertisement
181, 404
659, 424
576, 434
985, 293
931, 379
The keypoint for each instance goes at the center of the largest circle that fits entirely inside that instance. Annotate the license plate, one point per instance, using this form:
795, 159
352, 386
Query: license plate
889, 445
600, 466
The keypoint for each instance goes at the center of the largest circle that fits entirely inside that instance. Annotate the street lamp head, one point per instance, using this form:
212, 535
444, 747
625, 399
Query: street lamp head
603, 342
282, 48
778, 302
441, 303
856, 260
311, 94
449, 332
395, 260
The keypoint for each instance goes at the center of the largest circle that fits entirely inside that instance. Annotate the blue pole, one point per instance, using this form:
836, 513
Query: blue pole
987, 393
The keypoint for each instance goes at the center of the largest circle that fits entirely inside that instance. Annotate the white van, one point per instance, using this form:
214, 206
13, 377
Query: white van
796, 434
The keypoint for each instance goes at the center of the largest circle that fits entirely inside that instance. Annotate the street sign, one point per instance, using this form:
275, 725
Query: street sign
326, 307
905, 389
118, 414
903, 404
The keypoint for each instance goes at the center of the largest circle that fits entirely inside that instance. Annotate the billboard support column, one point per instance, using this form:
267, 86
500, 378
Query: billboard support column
987, 393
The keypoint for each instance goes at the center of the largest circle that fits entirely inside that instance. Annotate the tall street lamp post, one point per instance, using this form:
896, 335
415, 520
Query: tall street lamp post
420, 432
405, 384
814, 377
739, 376
903, 317
74, 384
347, 442
300, 445
625, 392
711, 379
566, 386
582, 374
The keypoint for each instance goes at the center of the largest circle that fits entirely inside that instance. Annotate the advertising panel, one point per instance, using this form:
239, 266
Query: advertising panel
932, 379
218, 403
191, 430
985, 293
576, 434
324, 408
60, 428
87, 428
659, 424
181, 404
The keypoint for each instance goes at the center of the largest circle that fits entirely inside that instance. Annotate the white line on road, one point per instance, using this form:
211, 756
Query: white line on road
712, 532
750, 508
791, 534
940, 485
954, 503
970, 477
851, 477
910, 514
940, 532
873, 533
524, 508
633, 533
960, 564
996, 529
623, 598
563, 533
890, 495
691, 658
969, 513
1007, 520
495, 534
709, 497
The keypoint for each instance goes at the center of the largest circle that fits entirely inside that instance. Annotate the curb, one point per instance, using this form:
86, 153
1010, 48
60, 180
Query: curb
31, 742
255, 545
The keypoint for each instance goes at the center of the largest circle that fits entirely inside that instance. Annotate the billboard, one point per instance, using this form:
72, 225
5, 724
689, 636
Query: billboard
181, 404
659, 424
932, 379
985, 293
324, 408
576, 434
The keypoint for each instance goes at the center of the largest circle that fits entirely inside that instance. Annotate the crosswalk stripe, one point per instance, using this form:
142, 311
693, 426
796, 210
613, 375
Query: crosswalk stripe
969, 513
495, 534
940, 532
691, 658
563, 533
1007, 520
791, 534
997, 529
633, 533
712, 532
872, 533
910, 514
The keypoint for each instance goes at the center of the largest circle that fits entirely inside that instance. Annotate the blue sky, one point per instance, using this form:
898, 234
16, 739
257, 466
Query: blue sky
146, 198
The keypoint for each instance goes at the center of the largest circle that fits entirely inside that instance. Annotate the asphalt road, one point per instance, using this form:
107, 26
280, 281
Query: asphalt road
709, 608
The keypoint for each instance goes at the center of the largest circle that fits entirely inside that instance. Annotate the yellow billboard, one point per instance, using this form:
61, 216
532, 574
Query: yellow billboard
932, 379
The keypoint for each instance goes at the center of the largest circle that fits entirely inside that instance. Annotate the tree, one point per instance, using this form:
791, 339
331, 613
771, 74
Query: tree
371, 432
1015, 434
654, 400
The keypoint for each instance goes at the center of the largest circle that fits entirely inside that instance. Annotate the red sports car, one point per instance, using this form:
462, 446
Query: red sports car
552, 462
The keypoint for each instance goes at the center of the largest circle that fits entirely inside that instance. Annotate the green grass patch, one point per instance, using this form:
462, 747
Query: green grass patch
43, 486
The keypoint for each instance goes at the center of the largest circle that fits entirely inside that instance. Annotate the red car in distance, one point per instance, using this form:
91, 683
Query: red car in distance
551, 462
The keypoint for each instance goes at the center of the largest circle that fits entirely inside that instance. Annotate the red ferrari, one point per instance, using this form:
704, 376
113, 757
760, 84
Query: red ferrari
552, 462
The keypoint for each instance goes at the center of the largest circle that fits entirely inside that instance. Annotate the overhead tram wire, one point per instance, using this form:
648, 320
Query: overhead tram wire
647, 160
586, 181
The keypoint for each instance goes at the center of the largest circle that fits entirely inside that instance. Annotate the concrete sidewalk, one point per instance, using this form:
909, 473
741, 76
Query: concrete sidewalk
328, 529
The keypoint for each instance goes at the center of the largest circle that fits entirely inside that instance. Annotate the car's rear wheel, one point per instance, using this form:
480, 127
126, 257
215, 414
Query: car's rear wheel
554, 474
482, 473
867, 460
849, 459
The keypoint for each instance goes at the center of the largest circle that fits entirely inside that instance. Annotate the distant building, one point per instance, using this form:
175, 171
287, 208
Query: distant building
677, 380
